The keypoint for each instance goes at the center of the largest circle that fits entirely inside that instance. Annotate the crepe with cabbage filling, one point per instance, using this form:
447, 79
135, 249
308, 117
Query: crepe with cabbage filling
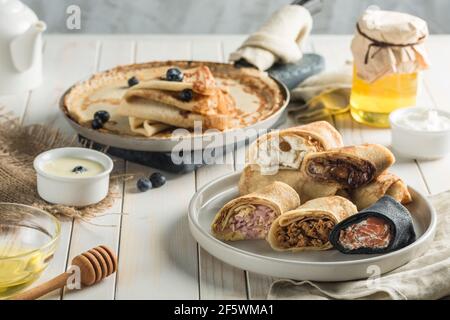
385, 184
307, 188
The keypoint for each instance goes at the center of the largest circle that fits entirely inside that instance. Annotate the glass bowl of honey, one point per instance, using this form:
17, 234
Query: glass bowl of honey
28, 240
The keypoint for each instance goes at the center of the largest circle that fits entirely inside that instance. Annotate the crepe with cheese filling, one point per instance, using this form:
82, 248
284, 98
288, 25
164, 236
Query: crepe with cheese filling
308, 227
286, 148
348, 167
385, 184
250, 216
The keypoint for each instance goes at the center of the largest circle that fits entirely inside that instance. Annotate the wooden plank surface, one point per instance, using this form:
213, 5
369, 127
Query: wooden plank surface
218, 280
158, 256
104, 230
437, 88
65, 61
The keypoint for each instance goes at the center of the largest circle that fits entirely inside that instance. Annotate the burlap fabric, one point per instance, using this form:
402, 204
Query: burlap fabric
19, 145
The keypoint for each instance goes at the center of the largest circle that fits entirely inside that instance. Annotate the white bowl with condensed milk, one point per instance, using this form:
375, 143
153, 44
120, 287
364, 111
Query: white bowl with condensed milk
76, 177
421, 133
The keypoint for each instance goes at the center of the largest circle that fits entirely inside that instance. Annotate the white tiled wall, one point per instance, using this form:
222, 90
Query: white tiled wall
219, 16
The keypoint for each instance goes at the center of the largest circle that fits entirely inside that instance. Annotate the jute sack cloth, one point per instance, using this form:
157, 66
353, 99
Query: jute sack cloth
19, 145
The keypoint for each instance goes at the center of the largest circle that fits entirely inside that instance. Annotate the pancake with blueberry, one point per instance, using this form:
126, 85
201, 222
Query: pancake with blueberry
180, 99
153, 99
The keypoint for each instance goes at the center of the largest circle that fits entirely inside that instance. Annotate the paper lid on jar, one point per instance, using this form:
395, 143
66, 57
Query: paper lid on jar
389, 42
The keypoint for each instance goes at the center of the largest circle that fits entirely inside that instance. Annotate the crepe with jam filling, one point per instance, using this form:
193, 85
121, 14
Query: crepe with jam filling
308, 227
250, 217
286, 148
384, 227
385, 184
348, 167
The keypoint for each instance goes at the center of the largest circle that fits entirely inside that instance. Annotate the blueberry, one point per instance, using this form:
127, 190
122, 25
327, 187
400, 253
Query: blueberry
186, 95
79, 169
143, 184
174, 74
157, 180
102, 115
133, 81
96, 124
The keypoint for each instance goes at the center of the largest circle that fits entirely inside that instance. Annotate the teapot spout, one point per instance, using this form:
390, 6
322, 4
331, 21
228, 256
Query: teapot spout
26, 48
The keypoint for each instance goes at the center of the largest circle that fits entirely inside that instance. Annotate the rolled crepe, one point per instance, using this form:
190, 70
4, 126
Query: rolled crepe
200, 80
348, 167
251, 179
286, 148
158, 112
158, 100
385, 184
308, 227
250, 216
219, 103
145, 127
384, 227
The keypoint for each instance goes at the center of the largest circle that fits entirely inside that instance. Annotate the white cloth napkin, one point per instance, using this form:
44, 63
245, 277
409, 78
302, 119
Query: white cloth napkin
425, 277
279, 39
322, 95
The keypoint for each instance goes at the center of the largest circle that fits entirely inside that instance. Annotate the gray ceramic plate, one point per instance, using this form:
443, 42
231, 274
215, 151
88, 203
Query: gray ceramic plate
331, 265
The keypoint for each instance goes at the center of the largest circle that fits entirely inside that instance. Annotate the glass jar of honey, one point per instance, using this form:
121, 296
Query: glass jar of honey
388, 55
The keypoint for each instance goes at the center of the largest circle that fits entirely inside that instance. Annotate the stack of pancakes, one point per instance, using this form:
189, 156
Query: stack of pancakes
156, 104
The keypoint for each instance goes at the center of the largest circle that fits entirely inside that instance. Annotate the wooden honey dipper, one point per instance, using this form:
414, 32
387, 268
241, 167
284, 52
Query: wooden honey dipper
95, 265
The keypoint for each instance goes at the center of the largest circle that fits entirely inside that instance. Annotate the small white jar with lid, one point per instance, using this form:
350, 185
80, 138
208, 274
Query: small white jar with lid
73, 176
420, 133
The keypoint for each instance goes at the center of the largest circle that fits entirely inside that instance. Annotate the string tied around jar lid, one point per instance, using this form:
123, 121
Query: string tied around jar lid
382, 44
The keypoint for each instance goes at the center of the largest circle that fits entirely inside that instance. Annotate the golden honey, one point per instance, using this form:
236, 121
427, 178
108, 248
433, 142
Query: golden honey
20, 270
371, 103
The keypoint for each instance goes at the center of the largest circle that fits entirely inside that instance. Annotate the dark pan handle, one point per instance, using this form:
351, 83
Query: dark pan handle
313, 6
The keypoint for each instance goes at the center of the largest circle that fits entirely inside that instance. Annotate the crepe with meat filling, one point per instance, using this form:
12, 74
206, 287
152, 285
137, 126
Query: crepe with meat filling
308, 227
250, 216
348, 167
385, 184
307, 188
286, 148
384, 227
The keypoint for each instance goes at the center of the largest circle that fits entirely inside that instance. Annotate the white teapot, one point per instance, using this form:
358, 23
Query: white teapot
20, 48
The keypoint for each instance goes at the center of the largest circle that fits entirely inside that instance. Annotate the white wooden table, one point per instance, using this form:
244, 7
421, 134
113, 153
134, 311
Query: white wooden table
158, 258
